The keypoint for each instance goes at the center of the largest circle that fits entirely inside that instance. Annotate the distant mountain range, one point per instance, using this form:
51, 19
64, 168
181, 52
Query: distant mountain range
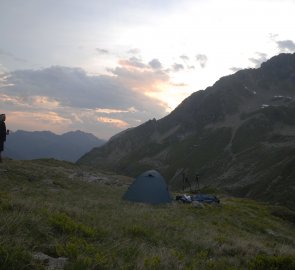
69, 146
238, 135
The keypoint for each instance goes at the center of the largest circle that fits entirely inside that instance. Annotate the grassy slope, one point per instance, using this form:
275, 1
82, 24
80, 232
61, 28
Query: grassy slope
46, 207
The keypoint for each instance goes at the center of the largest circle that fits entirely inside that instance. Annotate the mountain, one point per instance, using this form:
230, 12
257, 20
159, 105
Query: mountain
44, 144
237, 135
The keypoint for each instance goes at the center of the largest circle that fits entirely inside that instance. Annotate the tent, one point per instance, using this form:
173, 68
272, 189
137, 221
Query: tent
149, 187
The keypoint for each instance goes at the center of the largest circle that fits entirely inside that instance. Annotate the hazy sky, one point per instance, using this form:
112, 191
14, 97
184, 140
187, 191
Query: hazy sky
104, 66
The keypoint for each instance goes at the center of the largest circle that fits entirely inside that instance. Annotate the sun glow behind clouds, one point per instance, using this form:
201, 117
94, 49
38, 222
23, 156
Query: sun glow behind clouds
227, 33
112, 121
111, 111
38, 121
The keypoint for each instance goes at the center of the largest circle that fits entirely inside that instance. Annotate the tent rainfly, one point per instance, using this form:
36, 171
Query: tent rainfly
149, 187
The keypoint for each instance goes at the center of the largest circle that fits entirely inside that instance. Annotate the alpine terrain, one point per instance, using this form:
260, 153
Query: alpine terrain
237, 135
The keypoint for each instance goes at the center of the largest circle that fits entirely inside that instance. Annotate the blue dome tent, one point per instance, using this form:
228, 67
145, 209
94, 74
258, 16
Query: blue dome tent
149, 187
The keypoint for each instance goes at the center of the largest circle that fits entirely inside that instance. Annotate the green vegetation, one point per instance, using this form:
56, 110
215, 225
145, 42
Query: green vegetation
52, 207
251, 133
199, 152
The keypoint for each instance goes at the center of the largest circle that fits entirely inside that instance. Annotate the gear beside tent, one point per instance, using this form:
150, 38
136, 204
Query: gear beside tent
149, 187
201, 198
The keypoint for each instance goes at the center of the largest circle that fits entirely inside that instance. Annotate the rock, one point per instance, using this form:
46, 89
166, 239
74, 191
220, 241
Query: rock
50, 263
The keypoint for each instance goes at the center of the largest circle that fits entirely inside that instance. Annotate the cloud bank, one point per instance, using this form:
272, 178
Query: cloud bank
62, 98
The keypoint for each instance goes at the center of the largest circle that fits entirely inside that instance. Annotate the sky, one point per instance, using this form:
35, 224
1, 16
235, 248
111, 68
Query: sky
104, 66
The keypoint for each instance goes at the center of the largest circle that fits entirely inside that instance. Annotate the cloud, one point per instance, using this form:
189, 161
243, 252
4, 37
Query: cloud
186, 61
133, 62
62, 98
261, 57
134, 51
235, 69
5, 53
202, 59
12, 56
3, 78
141, 77
102, 51
112, 121
272, 36
177, 67
27, 120
286, 45
179, 84
184, 57
114, 111
155, 64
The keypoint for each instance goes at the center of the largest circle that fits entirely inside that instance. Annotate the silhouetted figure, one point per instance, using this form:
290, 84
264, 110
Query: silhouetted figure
3, 133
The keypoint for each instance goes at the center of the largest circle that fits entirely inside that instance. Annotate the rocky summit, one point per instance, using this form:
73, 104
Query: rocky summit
237, 135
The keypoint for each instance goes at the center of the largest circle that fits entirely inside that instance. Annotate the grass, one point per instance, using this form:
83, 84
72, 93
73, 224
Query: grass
46, 207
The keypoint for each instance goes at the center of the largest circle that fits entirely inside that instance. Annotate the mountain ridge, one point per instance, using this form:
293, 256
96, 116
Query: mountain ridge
238, 134
45, 144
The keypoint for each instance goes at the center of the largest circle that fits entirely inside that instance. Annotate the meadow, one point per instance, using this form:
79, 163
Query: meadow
75, 213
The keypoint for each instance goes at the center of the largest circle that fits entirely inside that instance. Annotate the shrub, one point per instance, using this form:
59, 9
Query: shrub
64, 224
12, 258
83, 255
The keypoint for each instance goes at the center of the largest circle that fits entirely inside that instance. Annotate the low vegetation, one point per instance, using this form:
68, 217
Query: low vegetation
62, 210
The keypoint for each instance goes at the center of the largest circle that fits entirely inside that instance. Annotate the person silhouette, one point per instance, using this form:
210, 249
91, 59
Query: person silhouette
3, 133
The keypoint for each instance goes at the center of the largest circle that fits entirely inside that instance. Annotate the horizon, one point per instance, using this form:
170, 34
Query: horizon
104, 67
49, 131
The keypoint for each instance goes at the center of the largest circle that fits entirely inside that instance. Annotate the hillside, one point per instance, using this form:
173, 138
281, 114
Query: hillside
69, 146
238, 135
57, 215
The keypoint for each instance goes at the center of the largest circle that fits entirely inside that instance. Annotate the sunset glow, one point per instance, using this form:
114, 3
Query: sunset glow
105, 66
111, 121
